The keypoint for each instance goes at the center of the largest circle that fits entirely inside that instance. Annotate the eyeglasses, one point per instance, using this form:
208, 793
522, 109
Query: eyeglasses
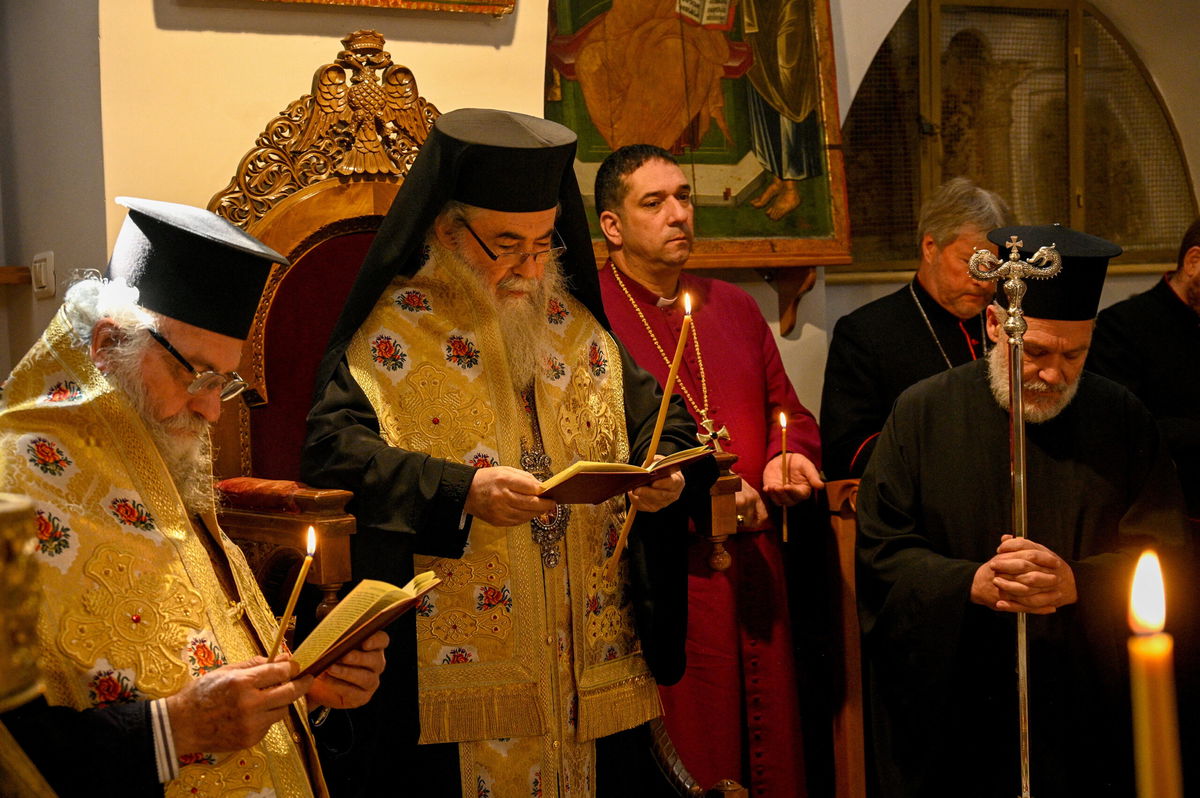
229, 385
512, 260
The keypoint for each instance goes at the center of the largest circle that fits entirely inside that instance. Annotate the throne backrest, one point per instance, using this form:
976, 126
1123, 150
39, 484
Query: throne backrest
315, 187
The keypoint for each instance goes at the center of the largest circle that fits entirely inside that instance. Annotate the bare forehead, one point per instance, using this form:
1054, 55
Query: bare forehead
656, 176
1059, 336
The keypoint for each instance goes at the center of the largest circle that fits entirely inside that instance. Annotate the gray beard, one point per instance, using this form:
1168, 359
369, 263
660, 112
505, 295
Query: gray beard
183, 440
522, 320
1034, 413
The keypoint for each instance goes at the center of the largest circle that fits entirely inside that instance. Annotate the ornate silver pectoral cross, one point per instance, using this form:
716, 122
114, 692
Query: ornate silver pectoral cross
986, 266
547, 529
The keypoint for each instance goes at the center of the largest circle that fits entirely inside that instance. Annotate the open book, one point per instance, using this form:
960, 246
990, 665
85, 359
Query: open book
369, 607
715, 14
587, 482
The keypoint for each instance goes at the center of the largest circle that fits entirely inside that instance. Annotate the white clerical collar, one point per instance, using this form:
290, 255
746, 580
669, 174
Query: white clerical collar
666, 302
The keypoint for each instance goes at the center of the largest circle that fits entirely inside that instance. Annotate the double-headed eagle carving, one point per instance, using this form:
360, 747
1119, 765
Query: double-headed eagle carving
364, 119
382, 119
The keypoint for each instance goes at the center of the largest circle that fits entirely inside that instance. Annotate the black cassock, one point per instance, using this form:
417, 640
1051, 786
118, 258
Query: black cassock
875, 353
941, 671
1150, 343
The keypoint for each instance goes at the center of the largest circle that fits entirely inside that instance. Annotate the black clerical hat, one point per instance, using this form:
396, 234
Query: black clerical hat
191, 265
509, 162
1074, 293
499, 160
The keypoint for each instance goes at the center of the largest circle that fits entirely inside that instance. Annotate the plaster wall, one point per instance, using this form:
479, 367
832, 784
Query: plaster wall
51, 168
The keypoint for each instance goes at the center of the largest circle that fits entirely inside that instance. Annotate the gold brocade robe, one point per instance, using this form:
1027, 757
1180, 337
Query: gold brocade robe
132, 606
531, 662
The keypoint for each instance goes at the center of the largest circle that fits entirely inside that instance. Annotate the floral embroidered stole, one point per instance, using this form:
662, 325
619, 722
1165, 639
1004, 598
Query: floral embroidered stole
131, 604
431, 362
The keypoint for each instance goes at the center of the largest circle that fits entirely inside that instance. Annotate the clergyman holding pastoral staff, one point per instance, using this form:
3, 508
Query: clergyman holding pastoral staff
473, 360
934, 323
942, 577
152, 629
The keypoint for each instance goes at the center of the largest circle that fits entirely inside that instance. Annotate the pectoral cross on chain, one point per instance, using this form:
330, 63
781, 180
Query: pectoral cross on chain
711, 434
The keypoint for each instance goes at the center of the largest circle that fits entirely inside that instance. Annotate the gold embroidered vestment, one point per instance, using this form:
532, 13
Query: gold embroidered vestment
530, 662
132, 606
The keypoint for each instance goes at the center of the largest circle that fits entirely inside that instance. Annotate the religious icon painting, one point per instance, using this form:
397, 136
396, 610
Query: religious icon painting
743, 94
493, 8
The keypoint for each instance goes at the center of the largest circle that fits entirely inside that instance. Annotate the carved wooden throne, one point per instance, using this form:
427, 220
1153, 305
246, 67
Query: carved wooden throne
315, 187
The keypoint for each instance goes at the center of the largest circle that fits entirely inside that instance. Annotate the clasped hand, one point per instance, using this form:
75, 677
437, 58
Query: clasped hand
232, 707
1024, 576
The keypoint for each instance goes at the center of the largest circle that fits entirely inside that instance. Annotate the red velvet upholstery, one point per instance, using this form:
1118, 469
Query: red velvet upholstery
302, 315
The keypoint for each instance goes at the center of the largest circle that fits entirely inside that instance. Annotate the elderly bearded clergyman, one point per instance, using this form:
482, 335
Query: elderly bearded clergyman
152, 630
941, 578
472, 360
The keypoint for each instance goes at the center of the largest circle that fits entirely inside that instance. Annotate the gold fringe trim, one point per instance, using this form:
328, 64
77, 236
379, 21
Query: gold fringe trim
481, 713
616, 707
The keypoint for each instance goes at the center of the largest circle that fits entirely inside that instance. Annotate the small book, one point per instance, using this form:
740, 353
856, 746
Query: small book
715, 14
366, 609
588, 482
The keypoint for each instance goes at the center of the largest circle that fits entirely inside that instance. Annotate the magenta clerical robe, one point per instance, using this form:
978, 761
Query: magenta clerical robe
735, 713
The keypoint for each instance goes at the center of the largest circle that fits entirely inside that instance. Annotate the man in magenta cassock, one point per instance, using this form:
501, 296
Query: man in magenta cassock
735, 714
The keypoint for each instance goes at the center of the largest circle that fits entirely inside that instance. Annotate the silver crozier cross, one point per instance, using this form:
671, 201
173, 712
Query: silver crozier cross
986, 266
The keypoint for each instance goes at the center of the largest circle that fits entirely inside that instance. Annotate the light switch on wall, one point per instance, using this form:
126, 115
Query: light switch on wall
42, 272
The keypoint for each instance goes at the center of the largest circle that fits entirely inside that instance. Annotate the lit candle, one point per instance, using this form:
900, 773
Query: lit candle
787, 478
291, 605
1151, 675
668, 389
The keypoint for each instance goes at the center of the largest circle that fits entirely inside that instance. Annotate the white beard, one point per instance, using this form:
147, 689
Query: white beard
1046, 401
183, 440
522, 320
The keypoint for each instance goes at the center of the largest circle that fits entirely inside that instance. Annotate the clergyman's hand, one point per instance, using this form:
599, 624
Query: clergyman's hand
505, 496
352, 680
803, 475
232, 707
659, 493
1024, 576
751, 511
1031, 578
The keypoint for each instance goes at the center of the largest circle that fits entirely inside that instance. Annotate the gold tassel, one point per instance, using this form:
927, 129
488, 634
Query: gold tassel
613, 708
481, 713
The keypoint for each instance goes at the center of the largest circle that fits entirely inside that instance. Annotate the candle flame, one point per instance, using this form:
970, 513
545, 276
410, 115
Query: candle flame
1147, 600
312, 541
687, 303
783, 420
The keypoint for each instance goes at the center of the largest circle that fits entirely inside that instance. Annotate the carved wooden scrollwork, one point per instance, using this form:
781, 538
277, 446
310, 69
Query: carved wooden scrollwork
364, 119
